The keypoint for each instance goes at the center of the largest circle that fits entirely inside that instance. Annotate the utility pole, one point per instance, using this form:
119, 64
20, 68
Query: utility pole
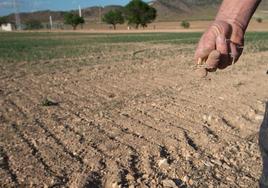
80, 14
80, 11
100, 14
51, 22
17, 15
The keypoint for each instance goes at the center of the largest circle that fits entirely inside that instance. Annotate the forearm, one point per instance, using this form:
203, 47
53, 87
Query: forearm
237, 13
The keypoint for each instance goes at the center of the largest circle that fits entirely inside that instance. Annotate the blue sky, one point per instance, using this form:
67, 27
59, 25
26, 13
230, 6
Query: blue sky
6, 6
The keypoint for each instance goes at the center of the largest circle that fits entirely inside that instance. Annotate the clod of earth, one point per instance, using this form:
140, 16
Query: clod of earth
163, 163
201, 72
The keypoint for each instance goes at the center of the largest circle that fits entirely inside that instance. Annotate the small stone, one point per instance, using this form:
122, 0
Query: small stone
191, 182
251, 113
225, 166
210, 186
218, 175
230, 178
185, 179
260, 102
163, 163
124, 114
111, 95
145, 176
139, 180
101, 115
218, 162
130, 177
209, 118
205, 118
259, 117
169, 183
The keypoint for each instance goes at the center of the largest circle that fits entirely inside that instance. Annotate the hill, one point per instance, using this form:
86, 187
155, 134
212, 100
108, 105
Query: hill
173, 10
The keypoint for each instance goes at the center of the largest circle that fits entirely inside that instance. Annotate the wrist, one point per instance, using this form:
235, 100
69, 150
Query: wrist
237, 32
237, 13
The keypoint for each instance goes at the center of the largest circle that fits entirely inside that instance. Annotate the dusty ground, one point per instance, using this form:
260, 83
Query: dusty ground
139, 122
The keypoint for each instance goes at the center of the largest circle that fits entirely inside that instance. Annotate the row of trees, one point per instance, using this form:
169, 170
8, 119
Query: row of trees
136, 12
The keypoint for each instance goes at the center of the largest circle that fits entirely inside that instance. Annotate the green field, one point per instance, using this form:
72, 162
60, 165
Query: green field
30, 47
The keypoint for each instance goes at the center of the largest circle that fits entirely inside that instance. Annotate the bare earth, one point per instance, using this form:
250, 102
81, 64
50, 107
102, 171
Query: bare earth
134, 123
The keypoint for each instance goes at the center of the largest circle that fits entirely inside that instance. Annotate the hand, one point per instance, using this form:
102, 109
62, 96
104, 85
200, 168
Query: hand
220, 46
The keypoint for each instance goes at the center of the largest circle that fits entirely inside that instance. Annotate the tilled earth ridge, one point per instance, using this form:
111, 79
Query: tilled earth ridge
135, 123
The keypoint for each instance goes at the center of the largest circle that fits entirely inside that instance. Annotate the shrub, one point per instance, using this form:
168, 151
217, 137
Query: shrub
259, 20
185, 24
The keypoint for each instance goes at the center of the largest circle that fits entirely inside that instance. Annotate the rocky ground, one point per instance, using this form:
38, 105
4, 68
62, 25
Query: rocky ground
142, 122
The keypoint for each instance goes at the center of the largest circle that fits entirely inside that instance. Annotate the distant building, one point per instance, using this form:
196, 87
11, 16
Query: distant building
7, 27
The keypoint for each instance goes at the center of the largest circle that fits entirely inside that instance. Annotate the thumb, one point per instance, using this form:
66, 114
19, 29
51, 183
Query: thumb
202, 53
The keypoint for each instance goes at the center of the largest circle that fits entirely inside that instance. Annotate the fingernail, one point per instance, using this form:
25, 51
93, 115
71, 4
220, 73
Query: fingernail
199, 62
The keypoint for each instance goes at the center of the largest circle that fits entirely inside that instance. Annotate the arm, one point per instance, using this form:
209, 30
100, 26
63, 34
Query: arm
226, 33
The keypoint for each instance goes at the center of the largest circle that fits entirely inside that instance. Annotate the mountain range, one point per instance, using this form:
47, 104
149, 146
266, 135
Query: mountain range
167, 10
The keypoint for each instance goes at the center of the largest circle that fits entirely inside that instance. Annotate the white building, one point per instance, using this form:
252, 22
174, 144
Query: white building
7, 27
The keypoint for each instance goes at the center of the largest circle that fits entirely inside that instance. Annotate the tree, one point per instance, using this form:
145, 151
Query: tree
185, 24
3, 20
73, 19
139, 13
33, 24
113, 17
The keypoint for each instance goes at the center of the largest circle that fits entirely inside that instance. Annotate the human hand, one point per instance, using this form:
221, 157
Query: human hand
220, 46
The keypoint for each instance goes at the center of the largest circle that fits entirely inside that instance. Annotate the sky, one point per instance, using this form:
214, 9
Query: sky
7, 6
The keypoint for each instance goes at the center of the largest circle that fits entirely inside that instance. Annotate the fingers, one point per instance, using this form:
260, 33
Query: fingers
206, 45
223, 47
216, 51
213, 60
202, 53
236, 51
